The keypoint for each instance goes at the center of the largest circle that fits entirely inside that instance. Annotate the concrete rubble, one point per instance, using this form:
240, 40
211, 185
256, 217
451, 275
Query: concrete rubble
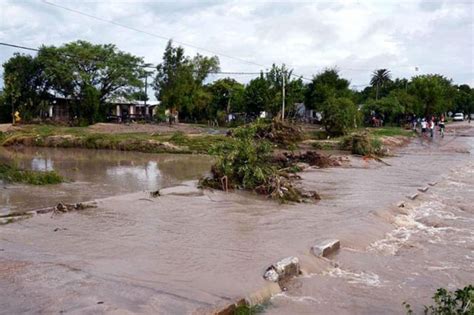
282, 270
325, 248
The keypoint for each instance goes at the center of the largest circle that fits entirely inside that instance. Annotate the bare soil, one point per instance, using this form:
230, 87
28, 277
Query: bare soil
5, 127
147, 128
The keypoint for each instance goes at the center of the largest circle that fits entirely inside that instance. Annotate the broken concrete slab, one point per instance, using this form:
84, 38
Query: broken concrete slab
325, 248
423, 189
413, 196
230, 309
282, 270
264, 294
261, 296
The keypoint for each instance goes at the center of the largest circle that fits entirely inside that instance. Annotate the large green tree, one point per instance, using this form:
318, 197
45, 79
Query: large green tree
82, 71
434, 92
340, 114
325, 85
26, 86
464, 99
227, 97
389, 107
179, 81
257, 96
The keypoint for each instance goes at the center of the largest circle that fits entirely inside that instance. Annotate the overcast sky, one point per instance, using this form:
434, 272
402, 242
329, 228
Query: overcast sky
356, 36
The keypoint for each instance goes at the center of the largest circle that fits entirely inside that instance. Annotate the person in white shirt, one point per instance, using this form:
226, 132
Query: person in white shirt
424, 125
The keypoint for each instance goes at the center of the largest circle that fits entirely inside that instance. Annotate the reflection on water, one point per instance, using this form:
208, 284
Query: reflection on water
94, 174
41, 164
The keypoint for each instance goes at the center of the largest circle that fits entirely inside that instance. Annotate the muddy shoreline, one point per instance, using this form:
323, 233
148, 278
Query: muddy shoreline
190, 251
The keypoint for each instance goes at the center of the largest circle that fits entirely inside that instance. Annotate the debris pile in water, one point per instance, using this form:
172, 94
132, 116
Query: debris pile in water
312, 158
363, 144
275, 131
66, 207
58, 209
279, 132
248, 163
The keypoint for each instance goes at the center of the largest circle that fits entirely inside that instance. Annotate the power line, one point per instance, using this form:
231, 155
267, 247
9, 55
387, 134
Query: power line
149, 65
18, 46
152, 34
163, 37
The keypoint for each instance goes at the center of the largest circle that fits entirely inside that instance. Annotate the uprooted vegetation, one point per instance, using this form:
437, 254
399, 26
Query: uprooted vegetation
312, 158
278, 132
363, 144
275, 131
14, 174
248, 162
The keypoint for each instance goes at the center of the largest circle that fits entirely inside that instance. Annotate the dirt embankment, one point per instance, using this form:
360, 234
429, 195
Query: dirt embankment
71, 141
6, 127
146, 128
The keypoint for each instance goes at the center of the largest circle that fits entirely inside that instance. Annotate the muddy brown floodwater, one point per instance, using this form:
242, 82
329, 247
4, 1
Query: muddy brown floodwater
92, 174
188, 251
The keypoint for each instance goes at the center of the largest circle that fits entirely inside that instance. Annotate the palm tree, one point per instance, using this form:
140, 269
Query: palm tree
379, 78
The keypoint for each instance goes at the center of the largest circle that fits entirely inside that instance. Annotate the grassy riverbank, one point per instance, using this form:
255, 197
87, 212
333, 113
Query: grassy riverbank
13, 174
83, 137
183, 138
376, 137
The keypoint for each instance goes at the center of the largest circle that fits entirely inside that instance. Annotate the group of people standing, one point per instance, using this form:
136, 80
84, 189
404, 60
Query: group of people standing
428, 125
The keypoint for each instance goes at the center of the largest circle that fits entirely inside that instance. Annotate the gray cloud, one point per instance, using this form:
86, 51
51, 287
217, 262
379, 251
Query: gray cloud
357, 36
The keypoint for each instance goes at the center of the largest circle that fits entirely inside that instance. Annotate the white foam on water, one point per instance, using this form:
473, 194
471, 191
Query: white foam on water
440, 268
298, 299
392, 242
409, 224
367, 278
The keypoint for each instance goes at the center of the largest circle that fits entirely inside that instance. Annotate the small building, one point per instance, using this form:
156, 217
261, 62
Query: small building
130, 110
121, 110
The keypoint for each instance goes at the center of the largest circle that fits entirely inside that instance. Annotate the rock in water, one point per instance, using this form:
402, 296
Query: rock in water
282, 270
325, 248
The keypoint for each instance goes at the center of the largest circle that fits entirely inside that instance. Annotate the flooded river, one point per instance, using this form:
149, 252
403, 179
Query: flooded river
187, 253
92, 174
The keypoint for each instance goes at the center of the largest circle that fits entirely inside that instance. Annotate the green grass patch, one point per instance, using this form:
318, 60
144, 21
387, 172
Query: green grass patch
13, 174
249, 310
81, 137
390, 132
196, 143
363, 144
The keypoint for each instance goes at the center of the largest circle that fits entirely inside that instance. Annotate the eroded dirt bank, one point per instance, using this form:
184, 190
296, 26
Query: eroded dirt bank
188, 252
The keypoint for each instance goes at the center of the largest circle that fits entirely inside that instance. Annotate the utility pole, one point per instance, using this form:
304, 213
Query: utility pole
146, 95
283, 96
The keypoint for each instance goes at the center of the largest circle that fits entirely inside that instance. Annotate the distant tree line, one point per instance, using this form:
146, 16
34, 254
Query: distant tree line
89, 75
